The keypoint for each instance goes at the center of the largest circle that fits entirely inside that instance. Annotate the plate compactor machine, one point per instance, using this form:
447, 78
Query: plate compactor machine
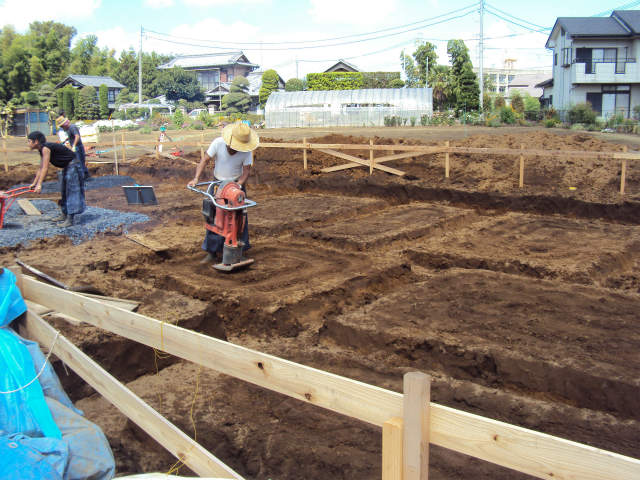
224, 210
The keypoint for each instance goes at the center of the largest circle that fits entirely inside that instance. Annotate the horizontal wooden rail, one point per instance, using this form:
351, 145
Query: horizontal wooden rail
192, 454
521, 449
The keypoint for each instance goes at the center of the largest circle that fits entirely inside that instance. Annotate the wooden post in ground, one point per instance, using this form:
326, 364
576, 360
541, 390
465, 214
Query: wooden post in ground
115, 150
446, 160
623, 172
6, 155
392, 449
371, 164
201, 146
304, 153
415, 444
124, 149
521, 180
158, 147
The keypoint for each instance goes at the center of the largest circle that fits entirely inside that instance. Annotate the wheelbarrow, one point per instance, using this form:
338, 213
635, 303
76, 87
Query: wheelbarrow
8, 197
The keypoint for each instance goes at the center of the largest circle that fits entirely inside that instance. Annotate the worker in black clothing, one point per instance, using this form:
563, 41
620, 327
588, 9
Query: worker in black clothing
75, 141
71, 181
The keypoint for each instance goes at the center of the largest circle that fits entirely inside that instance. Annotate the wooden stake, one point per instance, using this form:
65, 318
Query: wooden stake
521, 181
623, 172
115, 150
304, 154
6, 155
124, 151
392, 449
446, 160
201, 146
415, 449
371, 162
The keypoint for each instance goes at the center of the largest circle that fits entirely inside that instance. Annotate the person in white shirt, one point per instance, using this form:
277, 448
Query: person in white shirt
233, 157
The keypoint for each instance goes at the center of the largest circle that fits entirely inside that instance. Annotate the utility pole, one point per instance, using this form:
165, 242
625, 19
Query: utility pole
297, 76
481, 46
140, 70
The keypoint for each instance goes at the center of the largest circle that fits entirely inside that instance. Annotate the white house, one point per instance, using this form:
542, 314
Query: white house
594, 60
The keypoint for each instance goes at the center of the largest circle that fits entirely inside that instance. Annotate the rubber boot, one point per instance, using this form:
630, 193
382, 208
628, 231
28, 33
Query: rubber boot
68, 222
60, 218
209, 258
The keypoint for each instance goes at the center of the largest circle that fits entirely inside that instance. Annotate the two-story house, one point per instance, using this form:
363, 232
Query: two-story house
594, 60
215, 71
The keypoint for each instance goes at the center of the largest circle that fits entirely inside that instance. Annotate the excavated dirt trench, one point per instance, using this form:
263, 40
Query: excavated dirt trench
521, 303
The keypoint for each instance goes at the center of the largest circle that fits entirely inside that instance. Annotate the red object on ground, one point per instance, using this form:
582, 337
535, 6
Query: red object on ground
229, 223
8, 197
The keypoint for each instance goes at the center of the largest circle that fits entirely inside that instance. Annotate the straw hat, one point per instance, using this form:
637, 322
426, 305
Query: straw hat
240, 137
62, 121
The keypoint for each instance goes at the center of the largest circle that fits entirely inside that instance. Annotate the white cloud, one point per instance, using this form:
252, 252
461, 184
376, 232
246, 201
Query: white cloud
118, 39
352, 12
226, 3
158, 3
14, 12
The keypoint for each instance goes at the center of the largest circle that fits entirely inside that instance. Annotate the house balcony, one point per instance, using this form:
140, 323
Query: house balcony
596, 72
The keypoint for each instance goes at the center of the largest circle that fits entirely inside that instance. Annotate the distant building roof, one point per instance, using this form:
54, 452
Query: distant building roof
208, 60
255, 82
547, 83
342, 66
528, 83
90, 81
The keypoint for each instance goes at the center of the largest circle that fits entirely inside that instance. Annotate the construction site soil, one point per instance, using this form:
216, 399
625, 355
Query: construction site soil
520, 302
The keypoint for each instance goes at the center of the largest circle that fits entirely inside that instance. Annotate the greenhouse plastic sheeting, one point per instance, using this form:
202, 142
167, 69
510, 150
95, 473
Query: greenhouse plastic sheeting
42, 435
366, 107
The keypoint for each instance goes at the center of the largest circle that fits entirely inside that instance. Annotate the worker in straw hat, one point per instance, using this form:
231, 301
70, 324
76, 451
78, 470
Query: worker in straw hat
233, 157
75, 141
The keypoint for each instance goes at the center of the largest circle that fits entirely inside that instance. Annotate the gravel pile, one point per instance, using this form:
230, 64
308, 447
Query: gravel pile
21, 229
91, 183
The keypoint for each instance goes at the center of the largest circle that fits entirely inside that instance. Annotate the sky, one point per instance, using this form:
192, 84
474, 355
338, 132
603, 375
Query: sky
305, 36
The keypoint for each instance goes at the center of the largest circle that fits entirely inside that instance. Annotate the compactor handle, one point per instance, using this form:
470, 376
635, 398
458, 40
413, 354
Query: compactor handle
247, 203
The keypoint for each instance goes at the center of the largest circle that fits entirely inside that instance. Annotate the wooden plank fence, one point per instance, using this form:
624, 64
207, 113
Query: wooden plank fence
405, 441
407, 151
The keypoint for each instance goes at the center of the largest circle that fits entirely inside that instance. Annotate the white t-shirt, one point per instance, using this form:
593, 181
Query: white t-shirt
228, 167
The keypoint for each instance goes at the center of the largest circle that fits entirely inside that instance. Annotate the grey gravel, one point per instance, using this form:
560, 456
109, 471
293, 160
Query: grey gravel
21, 229
91, 183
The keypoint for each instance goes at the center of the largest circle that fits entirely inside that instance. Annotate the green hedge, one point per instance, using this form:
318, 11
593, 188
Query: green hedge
335, 81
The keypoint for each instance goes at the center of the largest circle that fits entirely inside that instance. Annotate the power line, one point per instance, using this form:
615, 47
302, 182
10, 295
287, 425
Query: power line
489, 11
517, 18
200, 45
294, 42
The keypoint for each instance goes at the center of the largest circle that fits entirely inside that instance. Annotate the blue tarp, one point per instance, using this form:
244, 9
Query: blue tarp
42, 435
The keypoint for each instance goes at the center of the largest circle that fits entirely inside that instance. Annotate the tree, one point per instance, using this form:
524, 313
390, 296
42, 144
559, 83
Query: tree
87, 106
531, 107
269, 84
237, 100
60, 99
516, 101
439, 80
177, 83
36, 70
68, 100
465, 89
294, 85
498, 103
396, 83
425, 56
103, 96
410, 70
47, 96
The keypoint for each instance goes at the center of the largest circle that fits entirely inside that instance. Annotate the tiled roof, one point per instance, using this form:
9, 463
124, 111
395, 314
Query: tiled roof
206, 60
92, 81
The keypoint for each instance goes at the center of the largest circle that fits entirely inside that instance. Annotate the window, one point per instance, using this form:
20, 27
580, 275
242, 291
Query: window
566, 57
510, 78
503, 78
555, 59
501, 89
111, 96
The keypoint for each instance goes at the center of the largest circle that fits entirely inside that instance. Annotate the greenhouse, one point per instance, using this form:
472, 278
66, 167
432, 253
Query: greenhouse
348, 108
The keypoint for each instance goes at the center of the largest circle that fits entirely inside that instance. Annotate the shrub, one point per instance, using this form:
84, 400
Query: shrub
582, 113
517, 103
197, 125
413, 121
146, 130
508, 115
178, 117
550, 122
498, 103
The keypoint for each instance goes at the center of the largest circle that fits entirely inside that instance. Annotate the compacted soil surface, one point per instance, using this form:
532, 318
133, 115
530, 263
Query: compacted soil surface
520, 302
